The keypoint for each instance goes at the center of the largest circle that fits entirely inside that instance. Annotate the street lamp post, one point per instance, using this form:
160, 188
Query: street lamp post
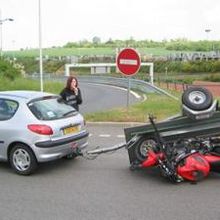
40, 48
1, 36
207, 32
207, 35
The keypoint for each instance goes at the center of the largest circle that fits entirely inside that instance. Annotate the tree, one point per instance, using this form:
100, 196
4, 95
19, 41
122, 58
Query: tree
96, 40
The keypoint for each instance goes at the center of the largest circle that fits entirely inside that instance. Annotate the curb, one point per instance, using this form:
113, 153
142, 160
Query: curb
114, 123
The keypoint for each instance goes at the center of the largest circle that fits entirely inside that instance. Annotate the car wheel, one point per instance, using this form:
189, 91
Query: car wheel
22, 159
142, 148
197, 98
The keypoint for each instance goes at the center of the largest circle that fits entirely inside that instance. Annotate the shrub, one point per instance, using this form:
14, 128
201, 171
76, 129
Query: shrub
9, 70
212, 78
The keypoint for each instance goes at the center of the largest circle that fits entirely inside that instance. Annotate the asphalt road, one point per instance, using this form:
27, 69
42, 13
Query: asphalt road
104, 188
99, 97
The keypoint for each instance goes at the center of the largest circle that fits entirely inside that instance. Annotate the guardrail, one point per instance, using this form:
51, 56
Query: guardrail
135, 84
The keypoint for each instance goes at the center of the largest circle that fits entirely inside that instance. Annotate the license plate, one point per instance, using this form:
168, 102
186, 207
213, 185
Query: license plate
71, 130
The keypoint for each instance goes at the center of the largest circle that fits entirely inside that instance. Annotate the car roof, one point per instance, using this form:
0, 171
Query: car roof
24, 94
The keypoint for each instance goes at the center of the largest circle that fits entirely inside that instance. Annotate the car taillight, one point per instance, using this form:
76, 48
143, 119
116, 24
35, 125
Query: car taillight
40, 129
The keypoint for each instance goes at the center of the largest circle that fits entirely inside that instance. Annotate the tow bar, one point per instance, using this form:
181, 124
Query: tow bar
93, 154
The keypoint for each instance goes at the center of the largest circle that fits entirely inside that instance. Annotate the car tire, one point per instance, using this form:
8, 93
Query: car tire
142, 147
22, 159
197, 98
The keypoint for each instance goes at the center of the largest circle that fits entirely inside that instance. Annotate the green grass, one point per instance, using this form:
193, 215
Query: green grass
160, 106
27, 84
60, 51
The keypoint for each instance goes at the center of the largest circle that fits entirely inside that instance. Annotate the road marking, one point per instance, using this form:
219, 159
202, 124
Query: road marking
120, 136
107, 135
128, 62
104, 135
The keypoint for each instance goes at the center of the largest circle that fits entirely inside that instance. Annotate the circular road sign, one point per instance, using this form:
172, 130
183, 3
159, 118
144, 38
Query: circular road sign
128, 61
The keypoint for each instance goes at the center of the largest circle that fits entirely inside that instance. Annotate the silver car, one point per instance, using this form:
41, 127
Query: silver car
38, 127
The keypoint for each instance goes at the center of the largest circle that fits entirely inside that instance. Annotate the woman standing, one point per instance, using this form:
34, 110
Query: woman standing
71, 93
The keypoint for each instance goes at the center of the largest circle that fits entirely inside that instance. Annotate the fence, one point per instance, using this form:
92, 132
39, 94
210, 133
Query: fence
213, 87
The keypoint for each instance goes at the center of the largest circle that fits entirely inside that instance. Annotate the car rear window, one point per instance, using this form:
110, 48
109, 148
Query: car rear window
7, 109
50, 108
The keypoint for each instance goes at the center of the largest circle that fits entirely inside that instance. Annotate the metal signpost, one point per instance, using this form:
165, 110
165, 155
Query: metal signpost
128, 62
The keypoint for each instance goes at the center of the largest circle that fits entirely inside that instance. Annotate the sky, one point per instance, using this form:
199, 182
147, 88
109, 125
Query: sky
74, 20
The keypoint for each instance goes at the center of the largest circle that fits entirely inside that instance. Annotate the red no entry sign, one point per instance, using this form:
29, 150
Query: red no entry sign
128, 61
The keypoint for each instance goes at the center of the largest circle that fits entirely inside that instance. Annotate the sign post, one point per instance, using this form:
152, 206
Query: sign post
128, 62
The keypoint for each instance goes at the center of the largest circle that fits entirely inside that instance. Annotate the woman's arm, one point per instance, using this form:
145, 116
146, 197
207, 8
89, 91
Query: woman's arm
79, 97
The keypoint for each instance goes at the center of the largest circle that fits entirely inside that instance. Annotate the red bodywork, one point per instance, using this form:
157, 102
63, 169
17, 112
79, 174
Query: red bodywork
194, 167
214, 162
212, 158
152, 159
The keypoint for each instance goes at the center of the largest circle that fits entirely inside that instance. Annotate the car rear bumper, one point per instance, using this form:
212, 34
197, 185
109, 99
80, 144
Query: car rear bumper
52, 150
55, 143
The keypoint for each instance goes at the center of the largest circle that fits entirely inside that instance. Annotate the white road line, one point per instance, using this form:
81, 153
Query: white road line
107, 135
120, 136
104, 135
135, 94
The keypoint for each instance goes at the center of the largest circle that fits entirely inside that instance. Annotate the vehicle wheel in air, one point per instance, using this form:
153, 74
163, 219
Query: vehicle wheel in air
197, 98
142, 147
22, 159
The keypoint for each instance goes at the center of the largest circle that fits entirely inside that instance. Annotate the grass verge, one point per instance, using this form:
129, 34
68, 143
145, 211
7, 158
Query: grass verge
159, 105
27, 84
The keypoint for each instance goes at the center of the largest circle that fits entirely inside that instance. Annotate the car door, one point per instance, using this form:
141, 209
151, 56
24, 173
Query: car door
8, 109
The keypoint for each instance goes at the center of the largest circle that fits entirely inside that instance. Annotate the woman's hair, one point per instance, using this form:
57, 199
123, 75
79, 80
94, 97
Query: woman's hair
69, 80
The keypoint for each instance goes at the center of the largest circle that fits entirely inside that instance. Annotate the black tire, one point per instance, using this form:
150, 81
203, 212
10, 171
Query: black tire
142, 147
197, 98
22, 159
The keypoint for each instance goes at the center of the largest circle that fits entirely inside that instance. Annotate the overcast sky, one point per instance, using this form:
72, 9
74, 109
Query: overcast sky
74, 20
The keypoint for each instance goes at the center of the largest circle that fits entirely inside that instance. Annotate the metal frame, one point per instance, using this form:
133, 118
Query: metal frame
175, 129
68, 66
